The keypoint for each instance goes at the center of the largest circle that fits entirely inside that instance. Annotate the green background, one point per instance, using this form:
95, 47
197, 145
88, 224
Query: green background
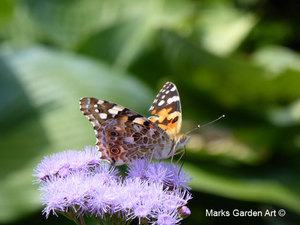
238, 58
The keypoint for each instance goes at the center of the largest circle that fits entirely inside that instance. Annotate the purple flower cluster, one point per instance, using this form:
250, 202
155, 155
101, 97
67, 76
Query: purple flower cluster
79, 183
159, 172
60, 165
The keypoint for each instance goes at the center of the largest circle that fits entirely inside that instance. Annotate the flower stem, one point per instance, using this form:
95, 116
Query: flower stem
74, 216
143, 221
71, 215
100, 220
82, 222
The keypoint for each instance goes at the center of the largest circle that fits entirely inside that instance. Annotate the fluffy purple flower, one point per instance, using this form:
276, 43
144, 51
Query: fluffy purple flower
175, 199
102, 197
105, 173
179, 178
160, 172
61, 164
167, 218
60, 194
140, 198
138, 168
76, 190
79, 183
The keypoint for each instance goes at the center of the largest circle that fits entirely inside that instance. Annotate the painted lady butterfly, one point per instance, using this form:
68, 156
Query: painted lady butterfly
124, 135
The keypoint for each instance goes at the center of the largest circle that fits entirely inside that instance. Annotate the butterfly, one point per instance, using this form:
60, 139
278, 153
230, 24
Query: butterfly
124, 135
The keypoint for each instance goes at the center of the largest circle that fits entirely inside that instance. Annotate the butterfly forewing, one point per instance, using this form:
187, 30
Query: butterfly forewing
166, 110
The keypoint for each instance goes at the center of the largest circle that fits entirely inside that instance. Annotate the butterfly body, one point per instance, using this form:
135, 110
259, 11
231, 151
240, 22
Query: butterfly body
124, 135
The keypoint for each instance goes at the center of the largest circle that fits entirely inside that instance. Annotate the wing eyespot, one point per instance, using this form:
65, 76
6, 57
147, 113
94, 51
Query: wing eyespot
114, 134
115, 150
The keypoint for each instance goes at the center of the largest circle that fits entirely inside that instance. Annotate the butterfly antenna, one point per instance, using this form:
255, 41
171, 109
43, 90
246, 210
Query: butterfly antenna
206, 124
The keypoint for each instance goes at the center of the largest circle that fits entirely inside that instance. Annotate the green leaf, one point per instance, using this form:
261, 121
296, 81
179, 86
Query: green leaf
277, 59
122, 40
232, 83
6, 11
40, 91
224, 28
118, 44
68, 23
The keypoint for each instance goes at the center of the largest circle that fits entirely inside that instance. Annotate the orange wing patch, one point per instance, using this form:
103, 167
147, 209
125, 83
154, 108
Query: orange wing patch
163, 114
169, 122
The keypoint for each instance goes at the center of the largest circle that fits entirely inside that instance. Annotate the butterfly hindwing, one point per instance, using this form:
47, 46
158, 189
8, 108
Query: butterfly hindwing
122, 134
166, 110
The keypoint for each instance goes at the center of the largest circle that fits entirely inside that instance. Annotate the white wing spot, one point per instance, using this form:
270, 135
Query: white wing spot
118, 108
95, 123
138, 120
161, 103
96, 110
100, 102
91, 117
96, 106
173, 99
162, 97
173, 88
103, 116
113, 111
167, 92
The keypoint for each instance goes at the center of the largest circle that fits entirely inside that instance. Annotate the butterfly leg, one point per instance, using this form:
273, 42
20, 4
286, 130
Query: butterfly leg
150, 159
179, 152
183, 154
172, 157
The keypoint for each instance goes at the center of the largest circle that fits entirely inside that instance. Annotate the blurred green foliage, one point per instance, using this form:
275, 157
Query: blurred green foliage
238, 58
